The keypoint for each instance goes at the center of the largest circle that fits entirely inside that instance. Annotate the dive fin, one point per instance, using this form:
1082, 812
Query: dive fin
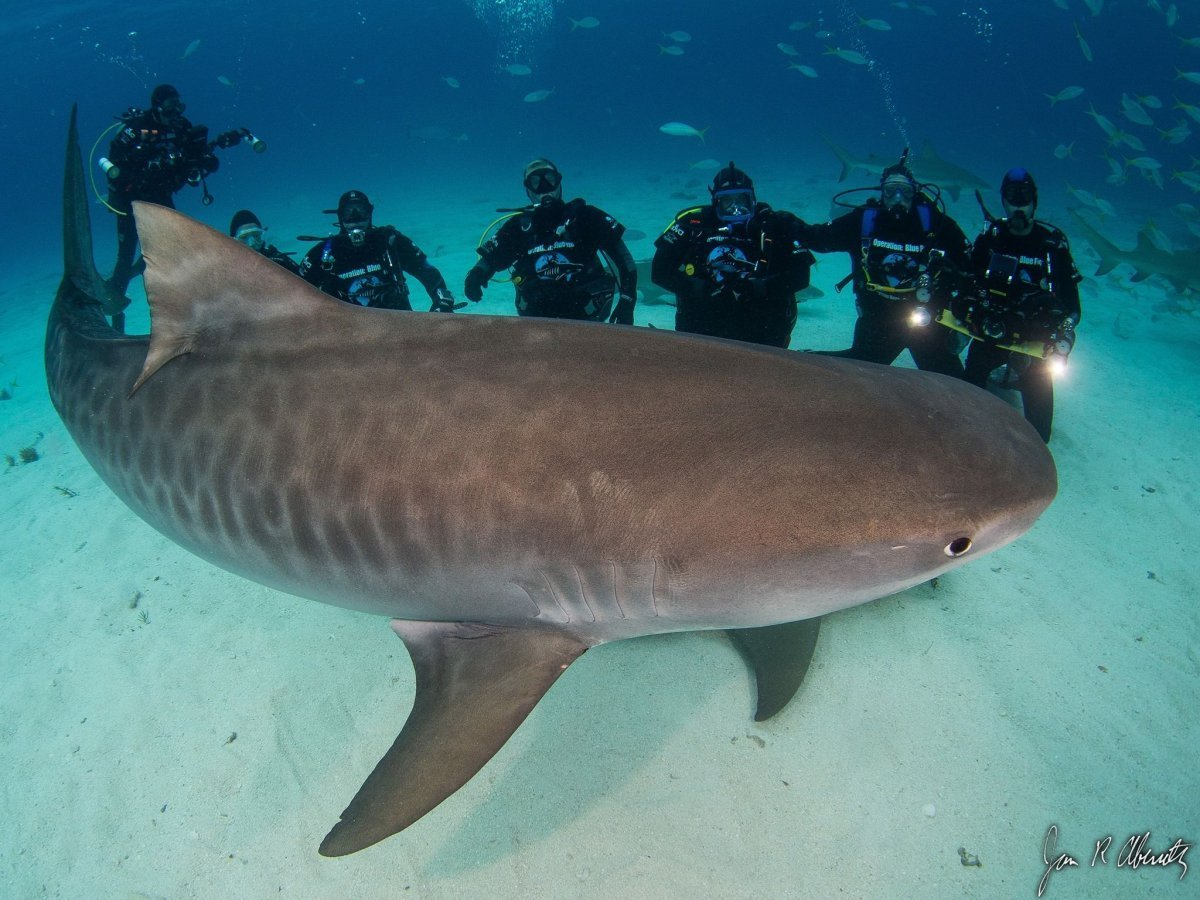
780, 655
475, 684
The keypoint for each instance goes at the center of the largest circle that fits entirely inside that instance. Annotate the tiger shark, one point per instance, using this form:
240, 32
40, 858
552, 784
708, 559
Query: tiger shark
1181, 270
927, 166
510, 491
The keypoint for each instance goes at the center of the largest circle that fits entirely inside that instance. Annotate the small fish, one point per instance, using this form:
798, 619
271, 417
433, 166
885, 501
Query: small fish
1172, 16
1094, 5
1191, 179
1190, 42
1083, 45
706, 165
1132, 110
538, 96
225, 81
632, 234
1103, 121
1062, 4
1193, 77
359, 81
1144, 162
823, 35
1132, 141
1157, 237
1178, 134
670, 51
585, 22
1192, 111
850, 56
799, 26
679, 37
1087, 198
1065, 151
787, 49
1150, 101
874, 24
1187, 211
681, 129
451, 81
1070, 92
1116, 171
191, 48
517, 69
806, 71
925, 8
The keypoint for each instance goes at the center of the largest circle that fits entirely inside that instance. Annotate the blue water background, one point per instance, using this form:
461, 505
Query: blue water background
970, 79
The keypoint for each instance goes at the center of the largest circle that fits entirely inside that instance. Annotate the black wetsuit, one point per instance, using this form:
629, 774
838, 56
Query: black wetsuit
275, 255
733, 281
1032, 288
156, 158
889, 254
554, 252
372, 274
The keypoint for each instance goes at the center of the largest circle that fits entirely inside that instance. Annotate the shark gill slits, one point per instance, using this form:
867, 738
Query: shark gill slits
958, 547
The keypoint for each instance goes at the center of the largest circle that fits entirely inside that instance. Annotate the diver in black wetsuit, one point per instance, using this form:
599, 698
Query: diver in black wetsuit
1028, 291
890, 242
734, 266
246, 227
365, 263
554, 250
156, 152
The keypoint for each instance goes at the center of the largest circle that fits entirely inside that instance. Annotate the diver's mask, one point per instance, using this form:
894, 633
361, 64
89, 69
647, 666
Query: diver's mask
898, 194
1020, 203
543, 186
251, 235
734, 206
171, 109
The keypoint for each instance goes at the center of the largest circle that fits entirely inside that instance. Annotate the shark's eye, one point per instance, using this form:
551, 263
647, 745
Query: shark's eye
958, 547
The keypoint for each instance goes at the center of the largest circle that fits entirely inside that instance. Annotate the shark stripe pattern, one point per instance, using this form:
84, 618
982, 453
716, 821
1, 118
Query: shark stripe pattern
511, 492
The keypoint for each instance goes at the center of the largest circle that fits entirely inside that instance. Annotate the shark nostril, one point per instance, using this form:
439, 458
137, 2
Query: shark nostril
958, 547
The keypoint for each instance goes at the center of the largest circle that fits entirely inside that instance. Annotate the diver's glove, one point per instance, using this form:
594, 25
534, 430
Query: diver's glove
444, 302
623, 314
477, 277
748, 288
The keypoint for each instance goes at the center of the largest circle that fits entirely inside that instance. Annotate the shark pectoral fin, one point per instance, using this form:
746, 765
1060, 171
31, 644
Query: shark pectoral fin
780, 655
475, 684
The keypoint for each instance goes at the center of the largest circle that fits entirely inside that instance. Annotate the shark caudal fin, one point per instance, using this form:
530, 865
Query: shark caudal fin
1110, 254
475, 686
79, 265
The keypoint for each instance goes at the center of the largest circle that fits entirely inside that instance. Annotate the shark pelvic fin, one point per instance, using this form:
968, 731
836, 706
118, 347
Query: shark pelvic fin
475, 685
780, 655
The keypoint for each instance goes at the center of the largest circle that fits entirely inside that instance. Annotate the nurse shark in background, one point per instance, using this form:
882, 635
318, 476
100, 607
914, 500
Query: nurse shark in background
512, 491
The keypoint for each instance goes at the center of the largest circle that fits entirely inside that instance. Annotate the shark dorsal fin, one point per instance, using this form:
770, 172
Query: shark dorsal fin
205, 288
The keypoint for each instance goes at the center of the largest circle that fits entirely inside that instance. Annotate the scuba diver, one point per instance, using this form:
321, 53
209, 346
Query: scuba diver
891, 242
157, 152
1027, 297
734, 266
554, 251
246, 227
365, 263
